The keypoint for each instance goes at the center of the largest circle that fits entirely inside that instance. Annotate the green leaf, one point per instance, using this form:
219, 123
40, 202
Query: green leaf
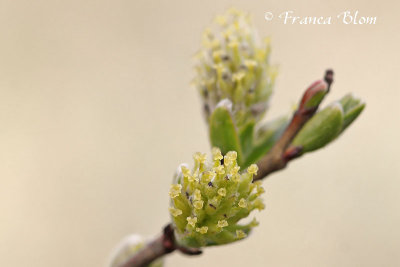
247, 136
352, 108
321, 129
223, 133
348, 101
265, 139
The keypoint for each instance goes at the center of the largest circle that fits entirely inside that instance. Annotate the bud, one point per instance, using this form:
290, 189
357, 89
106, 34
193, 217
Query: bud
327, 124
314, 95
208, 201
233, 64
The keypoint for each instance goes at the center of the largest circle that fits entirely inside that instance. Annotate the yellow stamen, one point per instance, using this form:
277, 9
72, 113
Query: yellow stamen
185, 171
175, 212
222, 223
197, 194
216, 152
202, 230
234, 170
200, 158
175, 190
191, 221
222, 192
230, 158
252, 169
207, 176
258, 204
198, 204
242, 203
220, 169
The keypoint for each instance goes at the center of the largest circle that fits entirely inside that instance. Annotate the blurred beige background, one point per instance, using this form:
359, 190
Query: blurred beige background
96, 112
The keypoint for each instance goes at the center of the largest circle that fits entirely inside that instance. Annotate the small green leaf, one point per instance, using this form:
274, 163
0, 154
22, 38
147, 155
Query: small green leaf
321, 129
246, 137
223, 133
348, 101
265, 139
352, 107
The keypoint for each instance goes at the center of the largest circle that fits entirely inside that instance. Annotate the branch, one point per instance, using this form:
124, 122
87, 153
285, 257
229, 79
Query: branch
275, 160
162, 245
281, 153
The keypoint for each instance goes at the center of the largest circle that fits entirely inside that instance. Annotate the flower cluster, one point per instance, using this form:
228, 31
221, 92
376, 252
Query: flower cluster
208, 201
233, 64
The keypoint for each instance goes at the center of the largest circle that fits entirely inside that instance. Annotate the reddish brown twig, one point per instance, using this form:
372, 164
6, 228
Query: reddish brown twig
280, 154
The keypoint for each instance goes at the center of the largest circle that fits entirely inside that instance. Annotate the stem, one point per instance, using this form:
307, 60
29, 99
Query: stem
280, 154
278, 157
